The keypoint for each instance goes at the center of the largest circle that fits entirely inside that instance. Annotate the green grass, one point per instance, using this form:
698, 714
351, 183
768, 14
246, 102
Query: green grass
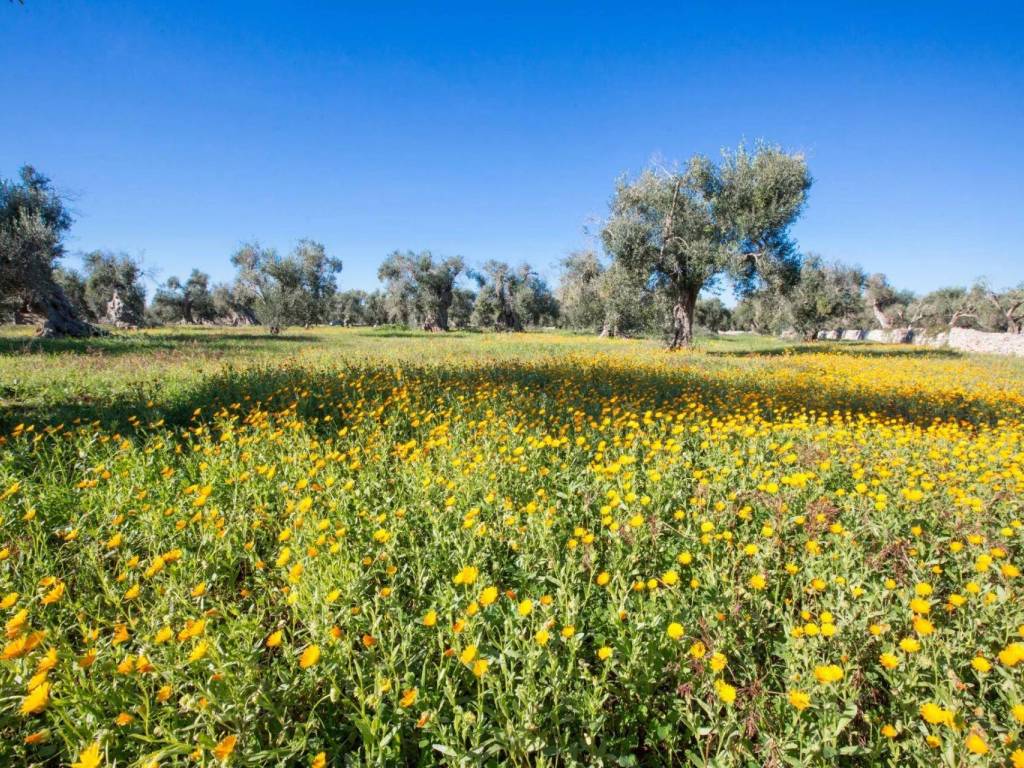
719, 528
51, 380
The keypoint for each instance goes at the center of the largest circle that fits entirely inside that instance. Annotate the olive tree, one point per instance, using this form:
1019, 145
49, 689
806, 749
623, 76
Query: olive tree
511, 298
887, 305
349, 308
316, 282
285, 290
461, 313
712, 314
1007, 307
107, 274
945, 308
256, 289
628, 304
189, 301
685, 229
33, 221
760, 312
826, 294
72, 283
232, 304
421, 286
579, 295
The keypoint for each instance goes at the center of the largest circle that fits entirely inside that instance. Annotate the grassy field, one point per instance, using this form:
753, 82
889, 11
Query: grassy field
50, 378
381, 547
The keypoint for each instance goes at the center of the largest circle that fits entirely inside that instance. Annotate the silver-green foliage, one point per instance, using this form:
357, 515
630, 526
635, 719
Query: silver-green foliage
685, 229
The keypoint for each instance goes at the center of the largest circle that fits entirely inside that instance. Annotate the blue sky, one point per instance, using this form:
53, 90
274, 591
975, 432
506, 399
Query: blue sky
181, 129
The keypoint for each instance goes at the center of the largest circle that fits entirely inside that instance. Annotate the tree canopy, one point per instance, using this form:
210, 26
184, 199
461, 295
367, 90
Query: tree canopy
190, 301
33, 222
420, 287
511, 298
826, 294
686, 229
279, 291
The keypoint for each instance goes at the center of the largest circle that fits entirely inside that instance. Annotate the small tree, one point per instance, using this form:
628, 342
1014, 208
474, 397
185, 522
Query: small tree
712, 314
107, 273
317, 280
761, 312
494, 307
349, 308
509, 298
888, 306
278, 306
257, 290
190, 301
72, 283
628, 305
684, 230
376, 308
282, 291
946, 308
232, 306
579, 293
532, 300
825, 295
461, 313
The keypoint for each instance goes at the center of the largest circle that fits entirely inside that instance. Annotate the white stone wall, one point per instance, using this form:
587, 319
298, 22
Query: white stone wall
967, 340
960, 339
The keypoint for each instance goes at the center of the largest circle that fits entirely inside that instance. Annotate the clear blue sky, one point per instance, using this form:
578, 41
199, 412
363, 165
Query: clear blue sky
183, 128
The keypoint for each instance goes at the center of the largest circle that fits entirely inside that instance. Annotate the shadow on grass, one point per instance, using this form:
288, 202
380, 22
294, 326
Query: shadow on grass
538, 392
127, 343
851, 349
401, 332
405, 335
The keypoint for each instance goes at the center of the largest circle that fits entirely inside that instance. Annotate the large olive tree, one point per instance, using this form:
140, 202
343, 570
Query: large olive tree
685, 229
423, 285
33, 220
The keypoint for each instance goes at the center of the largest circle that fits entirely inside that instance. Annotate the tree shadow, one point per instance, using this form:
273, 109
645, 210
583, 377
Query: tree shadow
850, 349
406, 335
128, 343
400, 332
544, 392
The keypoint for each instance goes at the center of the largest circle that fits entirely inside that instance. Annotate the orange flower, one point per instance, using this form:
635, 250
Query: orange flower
225, 747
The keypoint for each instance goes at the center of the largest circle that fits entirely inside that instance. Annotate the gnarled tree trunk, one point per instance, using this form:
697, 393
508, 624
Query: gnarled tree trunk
436, 320
1014, 320
682, 318
58, 316
610, 325
880, 317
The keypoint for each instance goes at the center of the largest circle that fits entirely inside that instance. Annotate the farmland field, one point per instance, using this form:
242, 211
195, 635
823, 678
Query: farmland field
381, 547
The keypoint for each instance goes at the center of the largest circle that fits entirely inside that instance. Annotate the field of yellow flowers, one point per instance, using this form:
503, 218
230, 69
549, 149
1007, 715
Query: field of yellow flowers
583, 555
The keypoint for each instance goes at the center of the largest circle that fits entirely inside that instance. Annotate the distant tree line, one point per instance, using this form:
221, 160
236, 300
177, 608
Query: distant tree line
672, 240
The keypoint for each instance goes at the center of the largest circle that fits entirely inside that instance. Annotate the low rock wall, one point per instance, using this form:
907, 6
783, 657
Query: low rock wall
960, 339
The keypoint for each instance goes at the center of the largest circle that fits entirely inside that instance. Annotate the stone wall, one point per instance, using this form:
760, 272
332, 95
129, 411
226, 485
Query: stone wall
960, 339
967, 340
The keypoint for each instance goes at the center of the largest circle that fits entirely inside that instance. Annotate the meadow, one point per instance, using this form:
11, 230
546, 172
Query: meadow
382, 547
